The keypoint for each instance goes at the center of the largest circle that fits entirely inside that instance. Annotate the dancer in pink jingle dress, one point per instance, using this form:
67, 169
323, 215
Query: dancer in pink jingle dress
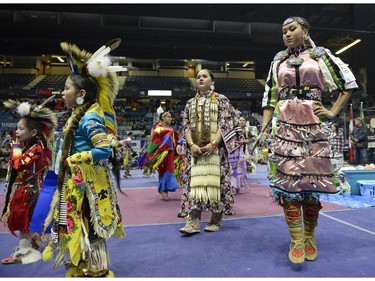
300, 164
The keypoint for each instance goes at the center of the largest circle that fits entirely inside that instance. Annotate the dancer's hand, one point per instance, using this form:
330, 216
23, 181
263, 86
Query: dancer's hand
207, 149
321, 111
16, 141
196, 150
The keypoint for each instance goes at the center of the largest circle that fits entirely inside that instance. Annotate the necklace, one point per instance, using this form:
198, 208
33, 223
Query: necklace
204, 94
296, 60
202, 97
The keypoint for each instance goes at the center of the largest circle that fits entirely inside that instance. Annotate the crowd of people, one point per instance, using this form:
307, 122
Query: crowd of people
209, 158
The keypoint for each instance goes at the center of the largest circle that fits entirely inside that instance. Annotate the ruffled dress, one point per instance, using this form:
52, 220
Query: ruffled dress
300, 160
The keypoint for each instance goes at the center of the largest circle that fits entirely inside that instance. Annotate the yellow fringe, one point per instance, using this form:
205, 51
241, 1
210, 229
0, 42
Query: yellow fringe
126, 158
160, 160
108, 223
47, 253
98, 257
205, 194
55, 199
88, 172
205, 179
119, 232
63, 250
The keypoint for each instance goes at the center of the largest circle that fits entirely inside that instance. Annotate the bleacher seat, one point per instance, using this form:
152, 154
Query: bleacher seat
230, 85
15, 81
157, 82
52, 82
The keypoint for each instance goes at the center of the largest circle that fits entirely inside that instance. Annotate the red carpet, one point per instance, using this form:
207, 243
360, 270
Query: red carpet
144, 205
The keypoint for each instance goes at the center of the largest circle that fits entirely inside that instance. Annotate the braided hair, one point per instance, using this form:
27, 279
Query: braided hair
91, 87
68, 141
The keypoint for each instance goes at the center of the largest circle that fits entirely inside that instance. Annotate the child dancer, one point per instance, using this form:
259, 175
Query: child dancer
87, 211
29, 160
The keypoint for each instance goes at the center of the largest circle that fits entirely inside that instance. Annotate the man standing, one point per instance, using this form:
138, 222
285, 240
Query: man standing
359, 136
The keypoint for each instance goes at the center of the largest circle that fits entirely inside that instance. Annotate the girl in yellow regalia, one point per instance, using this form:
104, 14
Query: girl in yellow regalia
87, 211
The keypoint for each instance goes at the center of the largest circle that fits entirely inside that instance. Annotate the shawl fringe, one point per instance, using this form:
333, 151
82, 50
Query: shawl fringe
205, 194
109, 230
98, 257
63, 251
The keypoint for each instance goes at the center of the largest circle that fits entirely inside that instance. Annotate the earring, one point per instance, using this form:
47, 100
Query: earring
305, 37
212, 87
79, 100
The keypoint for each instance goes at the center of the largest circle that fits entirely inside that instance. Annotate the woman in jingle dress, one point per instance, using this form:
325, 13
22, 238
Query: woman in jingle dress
300, 164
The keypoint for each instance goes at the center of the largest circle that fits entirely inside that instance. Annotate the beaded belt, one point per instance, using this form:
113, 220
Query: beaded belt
303, 93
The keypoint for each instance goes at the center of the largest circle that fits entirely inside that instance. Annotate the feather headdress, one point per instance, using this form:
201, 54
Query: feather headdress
99, 66
159, 111
42, 114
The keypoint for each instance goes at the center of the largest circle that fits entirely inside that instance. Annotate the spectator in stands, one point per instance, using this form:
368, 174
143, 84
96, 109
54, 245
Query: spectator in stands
8, 133
209, 121
28, 163
300, 167
336, 140
4, 160
359, 137
164, 154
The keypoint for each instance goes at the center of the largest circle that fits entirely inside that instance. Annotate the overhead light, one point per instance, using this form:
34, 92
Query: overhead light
348, 46
159, 93
60, 59
247, 63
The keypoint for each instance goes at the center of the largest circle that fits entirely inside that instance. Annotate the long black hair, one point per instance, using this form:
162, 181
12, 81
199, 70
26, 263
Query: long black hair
89, 84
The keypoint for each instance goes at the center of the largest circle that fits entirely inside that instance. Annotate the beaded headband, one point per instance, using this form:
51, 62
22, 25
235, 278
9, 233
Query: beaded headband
300, 20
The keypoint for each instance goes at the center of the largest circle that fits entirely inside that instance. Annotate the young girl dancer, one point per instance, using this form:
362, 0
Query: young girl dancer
29, 161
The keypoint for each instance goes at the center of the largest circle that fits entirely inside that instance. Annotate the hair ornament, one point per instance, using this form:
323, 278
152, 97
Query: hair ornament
212, 87
99, 66
300, 20
38, 112
23, 109
310, 41
160, 110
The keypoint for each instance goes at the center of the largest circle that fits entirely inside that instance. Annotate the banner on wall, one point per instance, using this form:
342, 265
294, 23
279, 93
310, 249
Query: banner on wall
48, 92
10, 125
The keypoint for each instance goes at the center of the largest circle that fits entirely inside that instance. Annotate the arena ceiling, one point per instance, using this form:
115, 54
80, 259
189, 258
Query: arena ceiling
215, 32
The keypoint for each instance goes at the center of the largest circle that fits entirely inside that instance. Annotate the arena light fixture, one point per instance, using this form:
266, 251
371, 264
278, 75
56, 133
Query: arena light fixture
159, 93
60, 59
348, 46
